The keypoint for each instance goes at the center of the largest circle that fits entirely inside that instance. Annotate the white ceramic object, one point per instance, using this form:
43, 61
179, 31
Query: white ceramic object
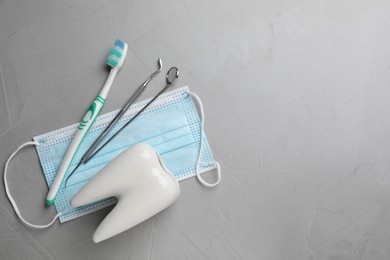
142, 183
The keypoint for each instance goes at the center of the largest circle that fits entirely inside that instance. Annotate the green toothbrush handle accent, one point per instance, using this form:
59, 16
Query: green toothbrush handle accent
84, 126
92, 113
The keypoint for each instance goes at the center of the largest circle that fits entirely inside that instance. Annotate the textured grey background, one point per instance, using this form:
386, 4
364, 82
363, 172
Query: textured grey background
296, 96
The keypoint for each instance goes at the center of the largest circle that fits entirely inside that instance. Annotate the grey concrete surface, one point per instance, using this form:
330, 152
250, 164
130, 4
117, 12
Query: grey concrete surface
296, 96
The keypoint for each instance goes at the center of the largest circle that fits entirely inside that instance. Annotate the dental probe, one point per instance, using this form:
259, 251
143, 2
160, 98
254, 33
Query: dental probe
123, 110
171, 76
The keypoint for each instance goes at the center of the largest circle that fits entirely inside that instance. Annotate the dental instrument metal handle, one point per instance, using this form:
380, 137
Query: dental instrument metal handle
172, 75
120, 114
136, 94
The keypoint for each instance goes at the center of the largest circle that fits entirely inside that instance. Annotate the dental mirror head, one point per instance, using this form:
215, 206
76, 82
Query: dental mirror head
172, 75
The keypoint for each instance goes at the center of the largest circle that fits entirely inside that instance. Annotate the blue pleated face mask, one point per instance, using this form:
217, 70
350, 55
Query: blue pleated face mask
171, 125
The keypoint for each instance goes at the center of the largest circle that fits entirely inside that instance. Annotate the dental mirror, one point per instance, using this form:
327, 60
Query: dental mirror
172, 75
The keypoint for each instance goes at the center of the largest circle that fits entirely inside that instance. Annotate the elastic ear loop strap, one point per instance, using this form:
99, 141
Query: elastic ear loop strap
201, 180
11, 198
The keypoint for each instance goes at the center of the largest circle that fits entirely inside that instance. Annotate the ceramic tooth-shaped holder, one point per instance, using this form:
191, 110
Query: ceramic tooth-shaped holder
142, 183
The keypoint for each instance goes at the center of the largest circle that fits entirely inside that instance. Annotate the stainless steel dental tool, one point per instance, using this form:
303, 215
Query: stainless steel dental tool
123, 110
120, 114
172, 75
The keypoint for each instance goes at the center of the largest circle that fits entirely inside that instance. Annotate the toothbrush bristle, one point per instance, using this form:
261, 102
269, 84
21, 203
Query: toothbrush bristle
120, 44
117, 54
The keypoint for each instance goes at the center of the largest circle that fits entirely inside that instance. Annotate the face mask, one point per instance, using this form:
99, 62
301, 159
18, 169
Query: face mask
171, 125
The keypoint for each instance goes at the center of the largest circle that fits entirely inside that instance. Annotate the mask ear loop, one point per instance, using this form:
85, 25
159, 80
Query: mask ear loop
11, 199
201, 180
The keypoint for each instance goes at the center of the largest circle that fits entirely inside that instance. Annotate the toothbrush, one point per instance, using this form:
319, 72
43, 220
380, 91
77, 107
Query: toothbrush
115, 60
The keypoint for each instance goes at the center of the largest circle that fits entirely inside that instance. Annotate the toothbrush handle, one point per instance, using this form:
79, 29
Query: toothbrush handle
83, 128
